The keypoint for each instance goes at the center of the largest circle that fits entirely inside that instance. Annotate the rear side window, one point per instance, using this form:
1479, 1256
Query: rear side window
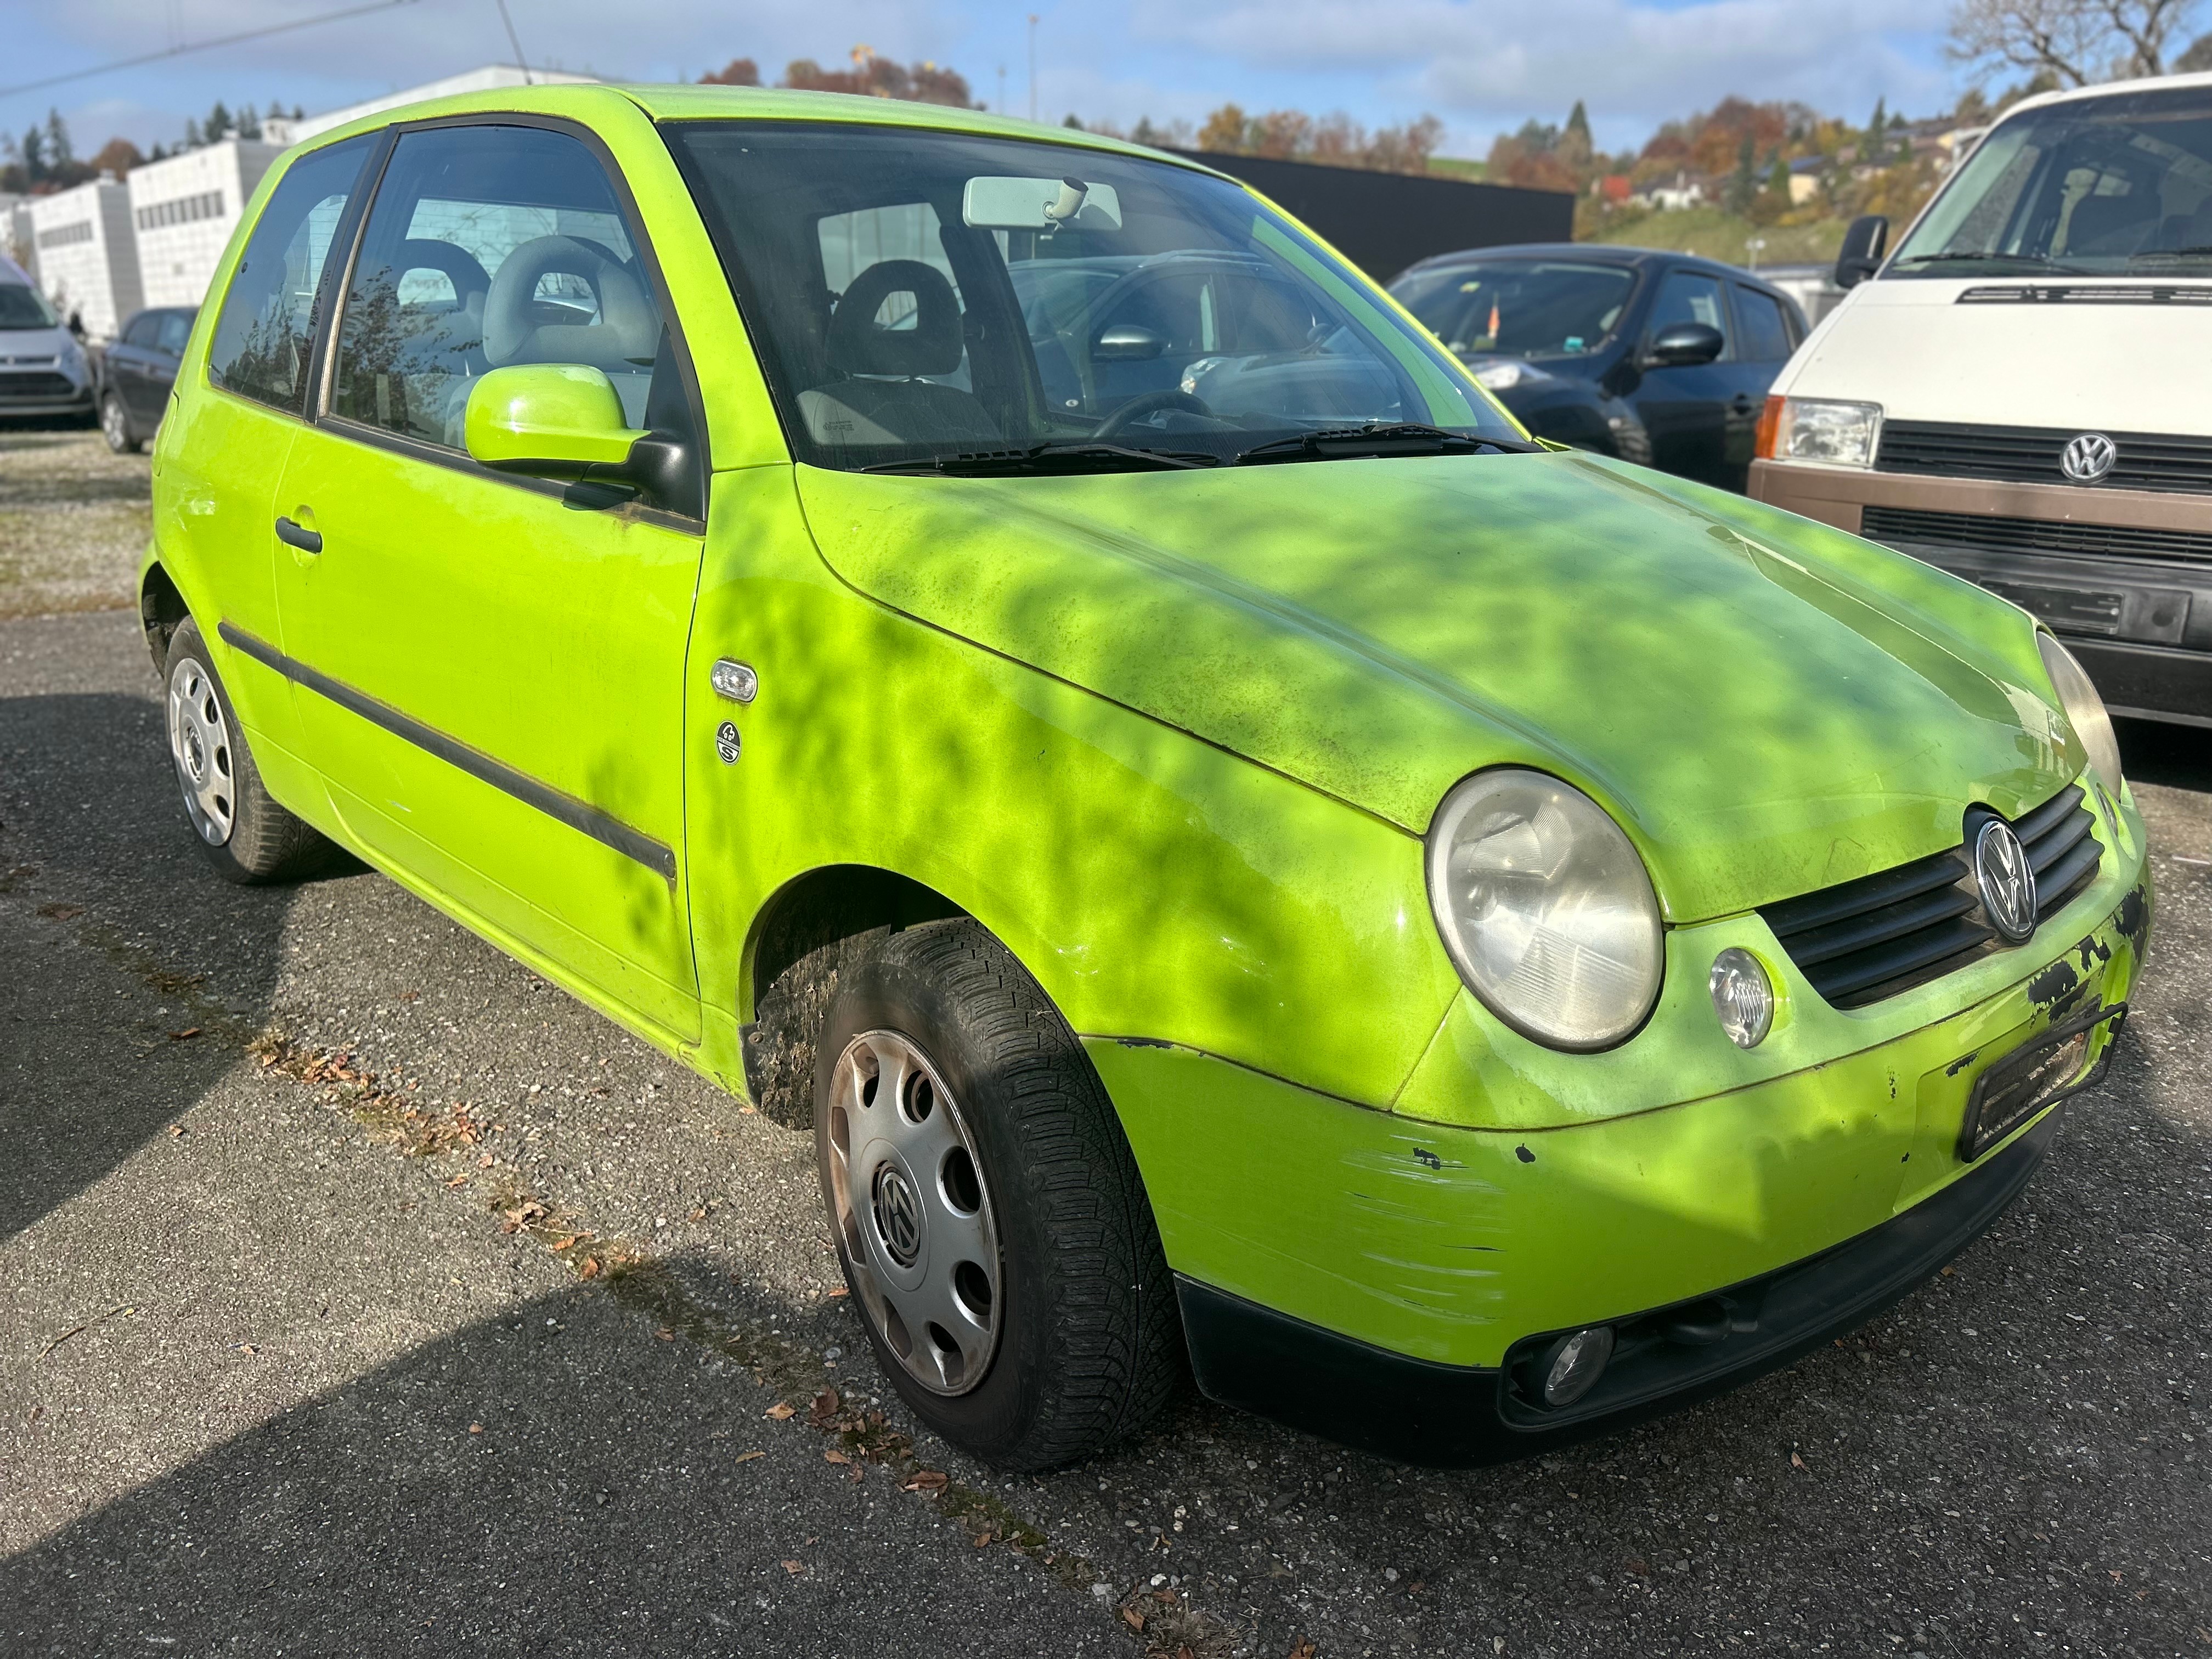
491, 245
1687, 297
267, 325
1766, 330
141, 329
176, 328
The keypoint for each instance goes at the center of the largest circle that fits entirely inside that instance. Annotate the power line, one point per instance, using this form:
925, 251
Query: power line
202, 45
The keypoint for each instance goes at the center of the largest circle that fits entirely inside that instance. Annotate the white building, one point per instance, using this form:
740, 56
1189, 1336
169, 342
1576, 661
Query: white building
88, 254
492, 77
183, 208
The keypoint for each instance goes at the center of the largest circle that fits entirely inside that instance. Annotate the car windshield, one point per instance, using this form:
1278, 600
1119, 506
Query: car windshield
919, 296
1519, 308
2095, 187
25, 308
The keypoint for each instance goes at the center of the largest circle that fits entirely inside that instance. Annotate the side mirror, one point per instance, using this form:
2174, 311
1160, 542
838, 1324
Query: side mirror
548, 421
1681, 345
1861, 255
1125, 342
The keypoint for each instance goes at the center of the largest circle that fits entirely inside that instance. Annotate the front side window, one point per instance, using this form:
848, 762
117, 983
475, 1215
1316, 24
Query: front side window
1689, 297
2092, 186
1767, 337
487, 246
1520, 307
919, 295
267, 325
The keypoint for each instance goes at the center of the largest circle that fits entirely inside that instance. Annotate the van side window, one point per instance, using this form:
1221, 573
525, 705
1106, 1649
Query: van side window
1686, 296
491, 245
267, 325
1766, 336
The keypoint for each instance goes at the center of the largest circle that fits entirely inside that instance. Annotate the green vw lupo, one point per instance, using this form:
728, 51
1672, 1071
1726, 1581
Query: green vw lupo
1002, 647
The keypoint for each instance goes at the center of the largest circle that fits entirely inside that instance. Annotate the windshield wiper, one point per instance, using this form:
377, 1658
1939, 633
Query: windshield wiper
1399, 438
2041, 262
1065, 456
2171, 253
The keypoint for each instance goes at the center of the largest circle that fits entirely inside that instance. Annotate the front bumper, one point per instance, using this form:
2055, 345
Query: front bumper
1450, 1416
2124, 574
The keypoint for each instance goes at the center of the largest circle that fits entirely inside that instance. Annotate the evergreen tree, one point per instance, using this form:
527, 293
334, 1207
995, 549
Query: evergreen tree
219, 124
1743, 182
249, 124
192, 139
1072, 122
60, 155
1876, 147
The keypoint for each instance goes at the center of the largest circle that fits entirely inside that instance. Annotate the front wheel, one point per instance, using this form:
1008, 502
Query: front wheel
115, 426
246, 835
993, 1229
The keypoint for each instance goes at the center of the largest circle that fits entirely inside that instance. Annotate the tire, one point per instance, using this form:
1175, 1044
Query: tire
246, 835
115, 426
1080, 1344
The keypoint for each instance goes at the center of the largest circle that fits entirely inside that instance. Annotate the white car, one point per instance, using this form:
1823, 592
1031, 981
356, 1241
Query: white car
43, 369
2018, 394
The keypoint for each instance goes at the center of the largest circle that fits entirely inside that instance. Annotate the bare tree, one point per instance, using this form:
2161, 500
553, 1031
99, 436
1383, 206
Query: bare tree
2078, 41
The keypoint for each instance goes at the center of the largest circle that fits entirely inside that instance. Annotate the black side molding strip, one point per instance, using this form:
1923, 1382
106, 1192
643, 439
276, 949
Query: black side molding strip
579, 815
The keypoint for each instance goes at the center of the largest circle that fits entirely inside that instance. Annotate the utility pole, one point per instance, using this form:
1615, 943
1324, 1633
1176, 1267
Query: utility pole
1033, 103
1002, 88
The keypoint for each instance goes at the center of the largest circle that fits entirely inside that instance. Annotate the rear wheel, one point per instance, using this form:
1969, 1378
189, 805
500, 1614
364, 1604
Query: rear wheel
246, 835
993, 1229
115, 426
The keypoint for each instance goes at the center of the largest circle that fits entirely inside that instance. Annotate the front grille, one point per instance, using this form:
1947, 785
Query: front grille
2029, 454
1902, 523
1867, 940
35, 386
2056, 294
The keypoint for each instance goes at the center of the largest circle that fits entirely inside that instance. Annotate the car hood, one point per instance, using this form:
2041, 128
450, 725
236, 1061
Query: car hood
1767, 705
39, 344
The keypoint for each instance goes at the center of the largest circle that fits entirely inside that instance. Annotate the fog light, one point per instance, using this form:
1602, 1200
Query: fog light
1573, 1365
1743, 997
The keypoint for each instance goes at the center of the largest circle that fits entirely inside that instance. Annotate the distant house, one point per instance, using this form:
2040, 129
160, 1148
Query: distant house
1611, 188
1805, 179
1685, 192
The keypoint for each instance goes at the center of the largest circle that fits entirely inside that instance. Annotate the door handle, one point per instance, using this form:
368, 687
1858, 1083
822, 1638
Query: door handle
292, 535
1741, 404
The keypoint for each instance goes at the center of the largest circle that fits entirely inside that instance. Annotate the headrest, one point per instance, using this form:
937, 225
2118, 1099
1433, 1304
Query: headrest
929, 345
2107, 219
626, 335
460, 267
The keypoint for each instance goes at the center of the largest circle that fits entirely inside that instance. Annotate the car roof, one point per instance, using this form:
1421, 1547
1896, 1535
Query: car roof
1596, 253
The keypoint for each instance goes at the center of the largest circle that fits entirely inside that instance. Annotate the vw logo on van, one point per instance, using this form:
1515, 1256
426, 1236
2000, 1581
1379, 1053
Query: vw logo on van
2088, 458
2006, 880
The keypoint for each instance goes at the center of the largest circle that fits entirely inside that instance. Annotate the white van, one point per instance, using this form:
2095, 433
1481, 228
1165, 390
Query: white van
2021, 393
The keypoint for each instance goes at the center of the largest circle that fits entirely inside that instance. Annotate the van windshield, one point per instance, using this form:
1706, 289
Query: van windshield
2091, 187
919, 297
24, 307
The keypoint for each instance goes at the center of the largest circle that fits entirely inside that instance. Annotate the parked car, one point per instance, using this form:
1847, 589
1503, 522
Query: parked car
1464, 945
1659, 358
136, 372
43, 369
2016, 395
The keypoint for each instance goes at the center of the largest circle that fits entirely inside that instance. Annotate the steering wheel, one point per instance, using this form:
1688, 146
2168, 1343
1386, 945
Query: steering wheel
1150, 404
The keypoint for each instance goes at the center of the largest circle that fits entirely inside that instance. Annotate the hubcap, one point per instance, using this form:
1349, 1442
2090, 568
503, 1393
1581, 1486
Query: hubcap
199, 743
912, 1212
111, 421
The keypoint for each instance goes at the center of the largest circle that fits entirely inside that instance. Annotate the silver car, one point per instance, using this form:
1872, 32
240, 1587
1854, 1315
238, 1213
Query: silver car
43, 369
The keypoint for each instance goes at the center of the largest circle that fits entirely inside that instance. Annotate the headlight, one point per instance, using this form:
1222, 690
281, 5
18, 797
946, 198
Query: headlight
1500, 376
2084, 710
1546, 909
1816, 429
71, 356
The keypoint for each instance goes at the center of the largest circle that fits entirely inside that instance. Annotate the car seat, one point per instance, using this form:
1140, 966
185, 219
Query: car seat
880, 396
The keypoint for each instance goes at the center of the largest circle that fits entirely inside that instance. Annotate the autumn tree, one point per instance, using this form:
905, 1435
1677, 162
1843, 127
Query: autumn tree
738, 72
1336, 140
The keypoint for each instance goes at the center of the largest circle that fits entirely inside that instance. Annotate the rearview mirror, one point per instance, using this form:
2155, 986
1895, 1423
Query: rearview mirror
1127, 343
1861, 255
1681, 345
990, 203
549, 421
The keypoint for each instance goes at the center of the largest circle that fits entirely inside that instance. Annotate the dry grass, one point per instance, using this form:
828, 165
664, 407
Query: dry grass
74, 520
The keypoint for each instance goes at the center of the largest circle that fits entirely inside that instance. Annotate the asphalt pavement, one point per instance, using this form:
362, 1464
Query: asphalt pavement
362, 1292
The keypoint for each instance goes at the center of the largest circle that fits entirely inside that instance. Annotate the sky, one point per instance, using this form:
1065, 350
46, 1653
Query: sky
1481, 66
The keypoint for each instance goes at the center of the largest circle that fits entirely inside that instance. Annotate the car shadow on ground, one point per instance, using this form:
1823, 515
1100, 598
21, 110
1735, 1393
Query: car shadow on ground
2159, 751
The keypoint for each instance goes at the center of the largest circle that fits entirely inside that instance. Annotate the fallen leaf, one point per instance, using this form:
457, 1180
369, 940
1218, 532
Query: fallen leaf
1135, 1620
699, 1214
747, 1457
833, 1455
1797, 1463
824, 1411
982, 1539
794, 1567
834, 1295
928, 1480
590, 1269
666, 1334
476, 1428
1302, 1649
458, 1180
1184, 1652
483, 1162
745, 1111
780, 1411
184, 1036
61, 912
176, 1128
1638, 1567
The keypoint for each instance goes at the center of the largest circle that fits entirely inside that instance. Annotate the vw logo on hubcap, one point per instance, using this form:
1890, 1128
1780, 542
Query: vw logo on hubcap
2007, 881
2088, 458
898, 1214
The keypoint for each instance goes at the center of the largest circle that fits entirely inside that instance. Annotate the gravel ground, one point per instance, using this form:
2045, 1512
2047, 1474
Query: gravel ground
357, 1289
74, 520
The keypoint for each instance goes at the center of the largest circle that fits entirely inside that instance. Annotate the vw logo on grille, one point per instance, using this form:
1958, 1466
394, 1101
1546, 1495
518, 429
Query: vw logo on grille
2006, 880
2088, 457
898, 1214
